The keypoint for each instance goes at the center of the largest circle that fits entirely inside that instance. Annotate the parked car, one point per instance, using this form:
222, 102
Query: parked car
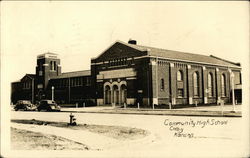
25, 105
48, 105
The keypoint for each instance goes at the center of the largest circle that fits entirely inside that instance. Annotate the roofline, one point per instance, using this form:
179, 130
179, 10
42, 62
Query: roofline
104, 50
117, 41
131, 45
76, 71
176, 60
238, 64
28, 75
61, 77
196, 62
47, 53
19, 81
43, 55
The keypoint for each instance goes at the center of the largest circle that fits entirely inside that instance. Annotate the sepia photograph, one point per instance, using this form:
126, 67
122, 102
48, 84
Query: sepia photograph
124, 79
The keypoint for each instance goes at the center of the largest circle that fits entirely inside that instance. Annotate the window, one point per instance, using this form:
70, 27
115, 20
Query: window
162, 84
196, 84
118, 62
52, 65
26, 85
179, 76
210, 84
180, 93
40, 66
88, 81
40, 73
80, 81
71, 82
223, 85
77, 81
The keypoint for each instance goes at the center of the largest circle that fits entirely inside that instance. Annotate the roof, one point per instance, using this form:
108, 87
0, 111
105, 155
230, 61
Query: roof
47, 55
73, 74
31, 75
183, 56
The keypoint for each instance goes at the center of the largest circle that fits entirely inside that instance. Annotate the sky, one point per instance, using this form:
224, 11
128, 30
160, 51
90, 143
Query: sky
79, 31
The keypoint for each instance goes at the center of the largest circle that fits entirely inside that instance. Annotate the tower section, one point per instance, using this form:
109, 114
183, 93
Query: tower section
48, 65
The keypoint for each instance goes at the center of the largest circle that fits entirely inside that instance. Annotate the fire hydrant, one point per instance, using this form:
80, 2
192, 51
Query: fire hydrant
72, 120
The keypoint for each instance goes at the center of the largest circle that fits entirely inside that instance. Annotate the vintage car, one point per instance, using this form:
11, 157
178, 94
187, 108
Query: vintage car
48, 105
25, 105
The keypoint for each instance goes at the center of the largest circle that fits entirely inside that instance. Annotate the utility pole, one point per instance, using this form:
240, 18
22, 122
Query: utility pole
32, 89
233, 97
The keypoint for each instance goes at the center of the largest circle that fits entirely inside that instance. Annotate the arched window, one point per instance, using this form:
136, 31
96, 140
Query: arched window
162, 84
196, 84
210, 84
179, 75
223, 85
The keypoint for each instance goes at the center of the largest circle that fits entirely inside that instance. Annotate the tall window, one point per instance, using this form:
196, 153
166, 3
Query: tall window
196, 84
52, 65
179, 76
223, 85
180, 92
88, 81
162, 84
210, 85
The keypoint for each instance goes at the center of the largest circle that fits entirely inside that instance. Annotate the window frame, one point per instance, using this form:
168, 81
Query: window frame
179, 75
223, 85
210, 86
162, 84
196, 85
182, 93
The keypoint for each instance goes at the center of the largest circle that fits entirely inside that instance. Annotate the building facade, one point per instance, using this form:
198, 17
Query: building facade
127, 73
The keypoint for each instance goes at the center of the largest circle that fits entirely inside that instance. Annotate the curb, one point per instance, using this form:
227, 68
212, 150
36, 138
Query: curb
199, 113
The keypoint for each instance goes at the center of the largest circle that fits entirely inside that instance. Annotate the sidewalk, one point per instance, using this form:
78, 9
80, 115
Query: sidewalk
213, 111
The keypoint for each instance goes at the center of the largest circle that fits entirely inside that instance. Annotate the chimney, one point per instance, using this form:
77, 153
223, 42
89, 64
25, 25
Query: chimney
132, 41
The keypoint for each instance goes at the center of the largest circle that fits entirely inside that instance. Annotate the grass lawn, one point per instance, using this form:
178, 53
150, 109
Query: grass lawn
116, 132
27, 140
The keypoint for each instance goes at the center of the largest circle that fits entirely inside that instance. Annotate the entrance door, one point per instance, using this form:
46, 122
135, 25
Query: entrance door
123, 94
116, 95
107, 95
